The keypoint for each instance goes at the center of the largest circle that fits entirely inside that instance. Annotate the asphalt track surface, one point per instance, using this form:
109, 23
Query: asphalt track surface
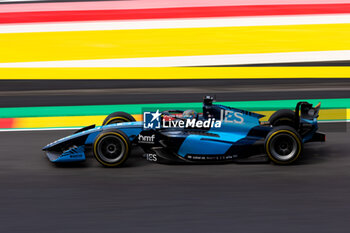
37, 196
23, 93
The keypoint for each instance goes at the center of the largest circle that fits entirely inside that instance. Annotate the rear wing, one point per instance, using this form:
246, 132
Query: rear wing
304, 110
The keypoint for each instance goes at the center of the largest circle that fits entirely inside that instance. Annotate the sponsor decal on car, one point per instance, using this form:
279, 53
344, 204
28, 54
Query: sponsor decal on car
231, 117
152, 120
151, 157
210, 157
155, 120
148, 139
192, 123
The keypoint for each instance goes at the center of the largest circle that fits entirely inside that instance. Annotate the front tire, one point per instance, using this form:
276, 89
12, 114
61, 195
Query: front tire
118, 117
111, 149
283, 145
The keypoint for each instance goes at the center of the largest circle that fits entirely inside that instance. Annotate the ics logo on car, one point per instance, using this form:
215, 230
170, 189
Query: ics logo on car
151, 120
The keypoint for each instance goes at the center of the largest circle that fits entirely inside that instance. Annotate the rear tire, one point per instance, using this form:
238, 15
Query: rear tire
283, 117
283, 145
111, 148
118, 117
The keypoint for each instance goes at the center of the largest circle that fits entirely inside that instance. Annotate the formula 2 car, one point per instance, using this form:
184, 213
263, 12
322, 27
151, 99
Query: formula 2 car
218, 134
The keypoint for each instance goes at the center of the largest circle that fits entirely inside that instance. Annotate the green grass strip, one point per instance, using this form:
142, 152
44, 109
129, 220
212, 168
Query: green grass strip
93, 110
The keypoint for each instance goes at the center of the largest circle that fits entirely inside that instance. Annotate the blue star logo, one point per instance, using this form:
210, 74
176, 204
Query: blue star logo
151, 120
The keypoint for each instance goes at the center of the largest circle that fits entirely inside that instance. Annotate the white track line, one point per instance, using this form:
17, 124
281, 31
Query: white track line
206, 60
175, 23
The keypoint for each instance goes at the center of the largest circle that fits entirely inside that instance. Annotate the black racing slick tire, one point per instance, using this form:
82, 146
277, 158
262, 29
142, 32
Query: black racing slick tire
283, 117
118, 117
111, 148
283, 145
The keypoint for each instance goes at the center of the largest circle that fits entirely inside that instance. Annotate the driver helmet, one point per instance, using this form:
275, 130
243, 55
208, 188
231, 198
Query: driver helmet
189, 114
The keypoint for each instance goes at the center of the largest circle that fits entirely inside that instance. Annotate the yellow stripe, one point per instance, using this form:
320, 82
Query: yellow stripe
324, 115
80, 121
71, 121
176, 73
334, 114
80, 45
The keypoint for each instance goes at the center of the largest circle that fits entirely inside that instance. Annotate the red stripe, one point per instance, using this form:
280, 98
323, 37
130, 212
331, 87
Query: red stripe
6, 123
184, 12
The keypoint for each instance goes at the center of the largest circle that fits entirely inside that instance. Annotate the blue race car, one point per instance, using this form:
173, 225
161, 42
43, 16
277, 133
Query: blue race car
218, 134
